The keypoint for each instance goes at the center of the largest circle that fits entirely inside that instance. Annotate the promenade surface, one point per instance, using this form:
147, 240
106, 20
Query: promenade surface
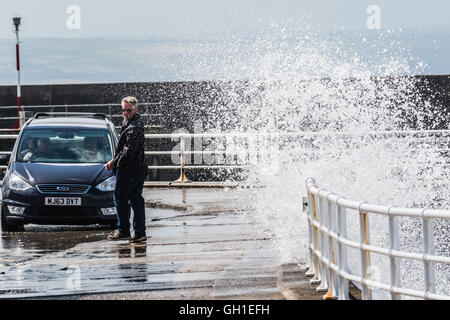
204, 243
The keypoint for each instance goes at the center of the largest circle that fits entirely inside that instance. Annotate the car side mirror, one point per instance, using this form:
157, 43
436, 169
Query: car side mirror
3, 159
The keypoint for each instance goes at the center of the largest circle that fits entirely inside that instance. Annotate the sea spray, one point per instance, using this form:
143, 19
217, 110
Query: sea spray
327, 107
349, 110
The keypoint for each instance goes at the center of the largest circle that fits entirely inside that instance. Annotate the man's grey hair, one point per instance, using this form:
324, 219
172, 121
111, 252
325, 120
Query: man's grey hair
130, 100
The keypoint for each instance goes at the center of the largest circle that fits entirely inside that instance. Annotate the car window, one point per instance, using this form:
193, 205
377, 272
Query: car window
65, 146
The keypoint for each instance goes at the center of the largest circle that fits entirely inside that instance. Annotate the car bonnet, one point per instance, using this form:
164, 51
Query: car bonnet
55, 173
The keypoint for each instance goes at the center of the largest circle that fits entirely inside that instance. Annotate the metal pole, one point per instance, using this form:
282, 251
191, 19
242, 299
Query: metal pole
310, 216
428, 249
323, 287
342, 251
365, 254
331, 226
394, 244
182, 178
316, 262
19, 122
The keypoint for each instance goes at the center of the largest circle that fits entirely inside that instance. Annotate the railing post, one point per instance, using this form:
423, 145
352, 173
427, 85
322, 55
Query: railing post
22, 118
182, 178
428, 249
331, 225
323, 287
365, 254
310, 217
316, 243
394, 244
342, 252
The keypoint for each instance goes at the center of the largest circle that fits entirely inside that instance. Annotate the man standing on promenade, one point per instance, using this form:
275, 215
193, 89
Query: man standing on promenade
130, 167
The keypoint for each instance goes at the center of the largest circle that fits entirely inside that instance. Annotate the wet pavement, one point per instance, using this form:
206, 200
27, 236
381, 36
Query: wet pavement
203, 244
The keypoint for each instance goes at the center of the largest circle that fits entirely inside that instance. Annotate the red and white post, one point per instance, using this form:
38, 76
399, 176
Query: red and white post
20, 121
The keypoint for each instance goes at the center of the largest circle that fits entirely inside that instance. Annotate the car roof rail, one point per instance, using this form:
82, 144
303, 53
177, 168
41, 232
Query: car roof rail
69, 114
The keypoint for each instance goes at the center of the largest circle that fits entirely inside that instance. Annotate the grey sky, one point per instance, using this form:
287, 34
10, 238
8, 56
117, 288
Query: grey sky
175, 18
97, 52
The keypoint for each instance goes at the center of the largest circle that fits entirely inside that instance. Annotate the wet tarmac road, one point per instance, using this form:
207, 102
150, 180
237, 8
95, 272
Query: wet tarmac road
37, 240
202, 245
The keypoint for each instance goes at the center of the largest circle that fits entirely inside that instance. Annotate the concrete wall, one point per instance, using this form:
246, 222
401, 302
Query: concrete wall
181, 103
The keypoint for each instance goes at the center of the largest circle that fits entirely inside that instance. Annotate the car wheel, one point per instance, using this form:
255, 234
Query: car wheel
8, 226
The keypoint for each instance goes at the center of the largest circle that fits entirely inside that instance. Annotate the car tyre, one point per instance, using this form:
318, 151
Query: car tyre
8, 226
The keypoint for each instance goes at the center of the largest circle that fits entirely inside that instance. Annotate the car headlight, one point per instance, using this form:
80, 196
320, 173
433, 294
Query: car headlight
16, 183
16, 210
107, 185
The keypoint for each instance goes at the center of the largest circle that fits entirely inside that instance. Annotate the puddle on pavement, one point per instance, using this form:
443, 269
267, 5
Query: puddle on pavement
36, 241
132, 251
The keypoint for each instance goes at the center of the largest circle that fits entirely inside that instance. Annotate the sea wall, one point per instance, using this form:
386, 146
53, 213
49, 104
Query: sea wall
179, 106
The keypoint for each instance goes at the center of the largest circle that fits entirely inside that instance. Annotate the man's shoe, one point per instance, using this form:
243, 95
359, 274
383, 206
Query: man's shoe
117, 235
138, 239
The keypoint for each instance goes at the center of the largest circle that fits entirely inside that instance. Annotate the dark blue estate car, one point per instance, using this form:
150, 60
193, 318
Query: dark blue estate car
56, 172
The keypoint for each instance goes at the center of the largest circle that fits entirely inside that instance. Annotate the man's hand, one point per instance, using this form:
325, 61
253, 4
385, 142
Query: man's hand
109, 164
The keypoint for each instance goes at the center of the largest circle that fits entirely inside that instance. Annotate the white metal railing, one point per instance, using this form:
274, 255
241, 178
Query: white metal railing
182, 153
420, 138
328, 243
28, 111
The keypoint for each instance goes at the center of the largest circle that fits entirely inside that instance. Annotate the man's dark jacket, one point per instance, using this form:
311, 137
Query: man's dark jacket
130, 149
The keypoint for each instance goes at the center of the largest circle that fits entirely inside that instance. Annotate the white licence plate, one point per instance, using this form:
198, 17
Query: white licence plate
62, 201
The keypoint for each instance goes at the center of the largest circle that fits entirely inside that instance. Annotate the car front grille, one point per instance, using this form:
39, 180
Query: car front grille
63, 188
65, 212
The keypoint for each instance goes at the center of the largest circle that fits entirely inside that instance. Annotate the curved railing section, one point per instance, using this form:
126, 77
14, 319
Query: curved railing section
328, 244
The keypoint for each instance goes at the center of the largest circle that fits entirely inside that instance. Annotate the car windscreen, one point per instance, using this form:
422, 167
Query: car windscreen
58, 145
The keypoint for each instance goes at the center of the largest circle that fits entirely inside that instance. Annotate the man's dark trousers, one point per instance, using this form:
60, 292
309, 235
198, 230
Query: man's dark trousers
129, 185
